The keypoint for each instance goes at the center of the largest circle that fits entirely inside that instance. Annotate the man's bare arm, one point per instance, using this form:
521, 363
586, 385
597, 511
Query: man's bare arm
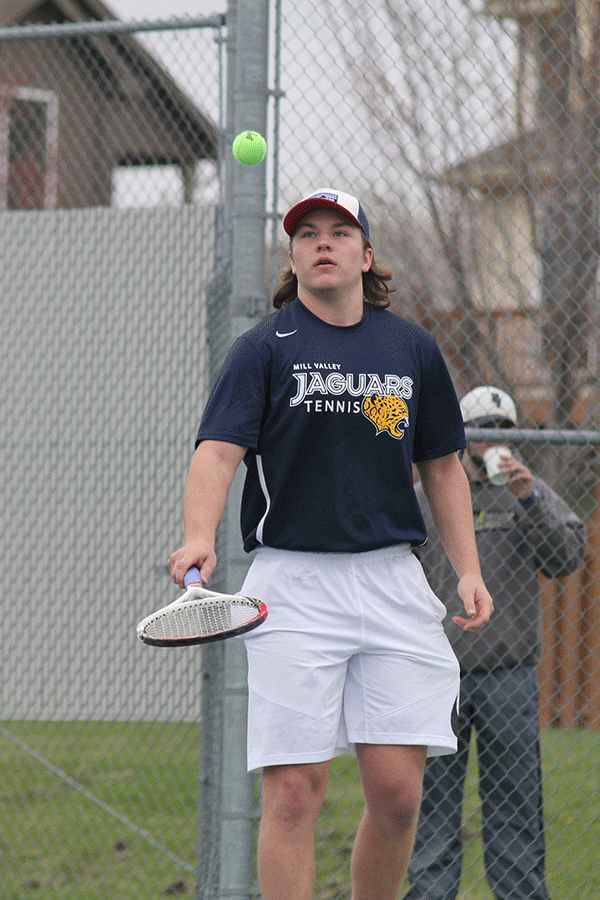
448, 493
212, 469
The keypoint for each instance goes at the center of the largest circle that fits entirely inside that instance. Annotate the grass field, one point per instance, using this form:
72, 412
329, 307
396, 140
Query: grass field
56, 842
82, 816
571, 762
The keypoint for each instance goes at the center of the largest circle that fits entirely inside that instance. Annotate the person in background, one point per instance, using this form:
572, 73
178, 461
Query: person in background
522, 527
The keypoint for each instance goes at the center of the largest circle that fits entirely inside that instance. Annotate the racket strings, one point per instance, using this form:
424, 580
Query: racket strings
201, 617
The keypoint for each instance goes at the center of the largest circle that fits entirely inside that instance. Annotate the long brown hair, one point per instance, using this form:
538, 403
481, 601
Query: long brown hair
376, 290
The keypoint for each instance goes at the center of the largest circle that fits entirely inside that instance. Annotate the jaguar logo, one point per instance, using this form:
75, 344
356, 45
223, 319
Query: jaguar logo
387, 413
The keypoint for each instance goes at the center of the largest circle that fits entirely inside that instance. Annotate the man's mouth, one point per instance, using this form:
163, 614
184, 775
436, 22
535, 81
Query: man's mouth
324, 261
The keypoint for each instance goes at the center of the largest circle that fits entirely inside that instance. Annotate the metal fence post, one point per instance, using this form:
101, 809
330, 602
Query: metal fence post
226, 870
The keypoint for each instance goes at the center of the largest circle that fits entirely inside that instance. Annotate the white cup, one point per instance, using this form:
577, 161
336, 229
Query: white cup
492, 458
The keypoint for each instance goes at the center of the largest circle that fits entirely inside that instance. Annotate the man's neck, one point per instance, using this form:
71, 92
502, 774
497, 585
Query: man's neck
340, 311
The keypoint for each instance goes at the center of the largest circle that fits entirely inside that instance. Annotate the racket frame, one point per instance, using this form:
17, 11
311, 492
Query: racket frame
194, 593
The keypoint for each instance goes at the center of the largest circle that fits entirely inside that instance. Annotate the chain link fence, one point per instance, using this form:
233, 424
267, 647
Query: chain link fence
470, 133
109, 185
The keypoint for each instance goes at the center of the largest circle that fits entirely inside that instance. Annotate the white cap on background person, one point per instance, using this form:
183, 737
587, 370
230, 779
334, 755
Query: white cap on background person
488, 405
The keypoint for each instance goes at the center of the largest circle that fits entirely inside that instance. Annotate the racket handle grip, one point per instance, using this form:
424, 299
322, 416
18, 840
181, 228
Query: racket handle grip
192, 576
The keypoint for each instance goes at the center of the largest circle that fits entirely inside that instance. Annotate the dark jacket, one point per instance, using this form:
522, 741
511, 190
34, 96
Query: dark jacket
514, 544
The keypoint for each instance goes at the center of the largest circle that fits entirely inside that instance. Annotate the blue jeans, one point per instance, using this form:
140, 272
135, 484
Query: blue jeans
502, 707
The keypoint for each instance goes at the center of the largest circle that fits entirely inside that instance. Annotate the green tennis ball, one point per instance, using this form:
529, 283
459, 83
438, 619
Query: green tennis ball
249, 148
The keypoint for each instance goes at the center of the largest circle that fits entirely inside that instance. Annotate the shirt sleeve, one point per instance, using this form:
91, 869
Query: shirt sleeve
237, 401
556, 533
440, 428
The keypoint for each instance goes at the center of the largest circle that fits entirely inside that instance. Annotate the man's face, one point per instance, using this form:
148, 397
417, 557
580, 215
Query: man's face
476, 449
327, 253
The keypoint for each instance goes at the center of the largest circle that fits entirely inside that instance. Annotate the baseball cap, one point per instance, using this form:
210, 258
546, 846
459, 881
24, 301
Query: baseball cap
328, 198
488, 405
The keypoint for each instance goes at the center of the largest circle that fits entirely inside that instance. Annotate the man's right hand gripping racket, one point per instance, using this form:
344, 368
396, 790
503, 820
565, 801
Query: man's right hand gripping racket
200, 616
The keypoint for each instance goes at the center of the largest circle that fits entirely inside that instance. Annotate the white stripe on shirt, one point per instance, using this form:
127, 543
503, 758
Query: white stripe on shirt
263, 484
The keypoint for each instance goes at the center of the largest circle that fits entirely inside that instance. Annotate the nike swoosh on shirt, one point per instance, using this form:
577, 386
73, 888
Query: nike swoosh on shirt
286, 333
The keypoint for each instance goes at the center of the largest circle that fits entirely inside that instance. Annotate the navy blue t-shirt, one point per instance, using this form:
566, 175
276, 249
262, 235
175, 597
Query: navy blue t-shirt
333, 418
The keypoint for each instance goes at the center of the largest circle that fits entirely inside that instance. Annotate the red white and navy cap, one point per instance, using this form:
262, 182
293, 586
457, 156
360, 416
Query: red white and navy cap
327, 198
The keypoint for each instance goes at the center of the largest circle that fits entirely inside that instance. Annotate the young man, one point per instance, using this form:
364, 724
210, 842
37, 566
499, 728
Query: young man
522, 527
328, 402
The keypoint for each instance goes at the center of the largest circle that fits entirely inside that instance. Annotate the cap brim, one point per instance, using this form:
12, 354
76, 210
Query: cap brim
489, 422
296, 213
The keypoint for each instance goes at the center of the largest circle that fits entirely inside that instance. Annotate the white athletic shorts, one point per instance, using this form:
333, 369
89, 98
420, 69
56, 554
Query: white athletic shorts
353, 651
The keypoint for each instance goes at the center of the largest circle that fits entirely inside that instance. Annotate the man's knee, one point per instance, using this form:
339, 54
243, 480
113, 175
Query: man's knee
294, 794
400, 806
393, 789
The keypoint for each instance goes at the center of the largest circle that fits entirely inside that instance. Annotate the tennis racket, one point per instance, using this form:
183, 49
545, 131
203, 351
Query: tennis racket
200, 616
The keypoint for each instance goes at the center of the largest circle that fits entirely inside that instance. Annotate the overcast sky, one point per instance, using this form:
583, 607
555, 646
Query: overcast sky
326, 135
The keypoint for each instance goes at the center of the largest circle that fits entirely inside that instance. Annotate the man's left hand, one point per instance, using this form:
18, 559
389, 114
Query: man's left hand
477, 601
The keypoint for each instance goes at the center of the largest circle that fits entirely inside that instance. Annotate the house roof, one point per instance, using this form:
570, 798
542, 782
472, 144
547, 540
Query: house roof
522, 9
133, 67
531, 155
